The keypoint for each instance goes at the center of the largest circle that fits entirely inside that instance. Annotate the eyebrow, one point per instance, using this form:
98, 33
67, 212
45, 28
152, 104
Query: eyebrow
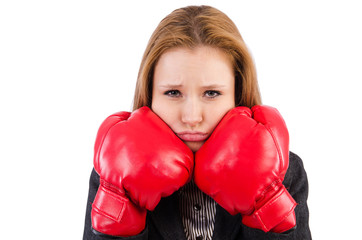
170, 85
211, 86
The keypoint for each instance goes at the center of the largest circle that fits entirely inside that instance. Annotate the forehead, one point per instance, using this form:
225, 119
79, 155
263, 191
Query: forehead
203, 64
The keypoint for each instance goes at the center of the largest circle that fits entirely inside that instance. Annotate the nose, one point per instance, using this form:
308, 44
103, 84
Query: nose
192, 113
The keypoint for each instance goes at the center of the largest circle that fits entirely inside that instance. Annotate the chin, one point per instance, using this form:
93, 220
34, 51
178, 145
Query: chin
194, 146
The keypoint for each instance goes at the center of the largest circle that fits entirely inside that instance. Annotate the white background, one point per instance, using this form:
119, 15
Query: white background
66, 65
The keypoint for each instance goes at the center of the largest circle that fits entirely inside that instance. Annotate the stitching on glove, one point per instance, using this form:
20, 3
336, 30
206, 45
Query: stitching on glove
270, 204
122, 202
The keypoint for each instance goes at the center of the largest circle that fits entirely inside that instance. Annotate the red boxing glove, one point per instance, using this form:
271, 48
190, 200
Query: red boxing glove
242, 166
139, 160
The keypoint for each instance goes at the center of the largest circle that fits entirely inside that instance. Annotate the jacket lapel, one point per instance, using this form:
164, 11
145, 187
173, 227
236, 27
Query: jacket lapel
226, 225
167, 220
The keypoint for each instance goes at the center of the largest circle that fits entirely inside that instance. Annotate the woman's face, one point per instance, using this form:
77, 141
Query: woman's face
192, 91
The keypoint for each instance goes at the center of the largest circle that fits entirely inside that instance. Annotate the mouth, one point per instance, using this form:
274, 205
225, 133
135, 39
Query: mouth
191, 136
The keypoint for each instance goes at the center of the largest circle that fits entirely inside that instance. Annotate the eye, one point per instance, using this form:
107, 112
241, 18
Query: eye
212, 93
173, 93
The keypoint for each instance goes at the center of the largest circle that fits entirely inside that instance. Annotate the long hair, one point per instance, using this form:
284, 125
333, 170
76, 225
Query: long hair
190, 27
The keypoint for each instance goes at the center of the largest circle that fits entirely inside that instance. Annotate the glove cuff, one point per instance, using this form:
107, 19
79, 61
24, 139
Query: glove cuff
114, 214
278, 209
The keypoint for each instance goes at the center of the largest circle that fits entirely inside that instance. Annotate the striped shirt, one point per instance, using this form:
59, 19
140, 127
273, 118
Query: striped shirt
197, 212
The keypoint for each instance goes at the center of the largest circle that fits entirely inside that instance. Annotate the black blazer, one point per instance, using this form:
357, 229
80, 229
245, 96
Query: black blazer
165, 221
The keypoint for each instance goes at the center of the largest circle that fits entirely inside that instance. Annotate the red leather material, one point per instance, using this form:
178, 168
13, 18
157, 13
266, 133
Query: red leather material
288, 223
116, 215
139, 160
271, 119
110, 204
243, 163
280, 207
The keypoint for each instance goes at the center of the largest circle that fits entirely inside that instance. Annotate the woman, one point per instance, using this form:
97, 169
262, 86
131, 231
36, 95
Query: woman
199, 157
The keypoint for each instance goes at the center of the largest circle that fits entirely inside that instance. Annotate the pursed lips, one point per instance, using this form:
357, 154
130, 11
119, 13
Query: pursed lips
192, 136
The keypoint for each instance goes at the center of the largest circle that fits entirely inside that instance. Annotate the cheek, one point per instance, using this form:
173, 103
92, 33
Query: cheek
215, 114
167, 113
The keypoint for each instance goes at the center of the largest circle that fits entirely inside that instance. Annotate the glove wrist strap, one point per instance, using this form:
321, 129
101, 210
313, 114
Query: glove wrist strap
275, 211
114, 214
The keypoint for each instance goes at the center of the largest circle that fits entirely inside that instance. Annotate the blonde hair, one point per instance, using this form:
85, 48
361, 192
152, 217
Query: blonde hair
190, 27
